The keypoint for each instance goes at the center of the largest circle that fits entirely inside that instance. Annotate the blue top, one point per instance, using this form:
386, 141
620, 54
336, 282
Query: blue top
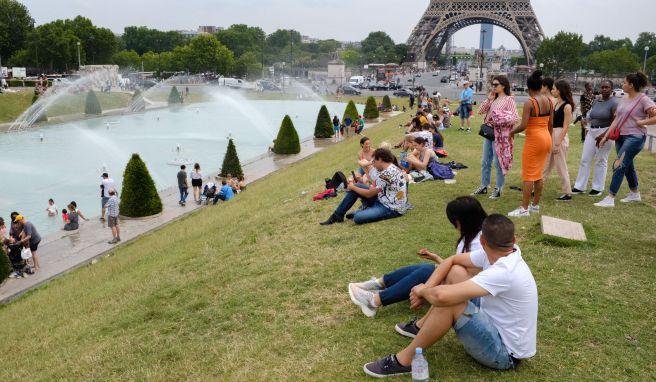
467, 93
227, 192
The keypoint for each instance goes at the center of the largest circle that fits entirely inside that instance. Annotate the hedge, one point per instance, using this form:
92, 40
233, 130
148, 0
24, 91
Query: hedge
174, 96
137, 102
287, 141
139, 196
27, 83
324, 125
92, 106
231, 163
5, 265
371, 109
387, 103
351, 111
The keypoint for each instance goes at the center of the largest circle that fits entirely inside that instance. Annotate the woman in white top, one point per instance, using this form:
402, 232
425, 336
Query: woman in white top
421, 156
196, 182
467, 215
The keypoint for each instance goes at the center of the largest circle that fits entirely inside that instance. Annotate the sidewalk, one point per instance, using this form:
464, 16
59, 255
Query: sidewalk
62, 251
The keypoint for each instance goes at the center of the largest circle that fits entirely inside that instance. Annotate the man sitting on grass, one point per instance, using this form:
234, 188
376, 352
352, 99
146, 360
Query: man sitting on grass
385, 199
493, 313
225, 193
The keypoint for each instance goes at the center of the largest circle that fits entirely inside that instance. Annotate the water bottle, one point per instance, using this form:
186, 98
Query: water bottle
419, 367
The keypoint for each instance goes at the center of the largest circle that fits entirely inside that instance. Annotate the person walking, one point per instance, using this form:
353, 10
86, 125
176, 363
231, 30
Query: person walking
182, 185
560, 141
500, 114
586, 100
196, 182
105, 185
336, 128
112, 216
29, 238
465, 108
537, 120
634, 113
596, 122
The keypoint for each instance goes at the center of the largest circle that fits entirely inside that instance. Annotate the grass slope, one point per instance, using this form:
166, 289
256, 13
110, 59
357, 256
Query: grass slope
255, 289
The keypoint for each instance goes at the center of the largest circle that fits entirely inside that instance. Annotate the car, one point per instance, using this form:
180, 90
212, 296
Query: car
619, 93
519, 88
403, 93
268, 85
418, 75
395, 86
435, 74
348, 89
377, 86
444, 79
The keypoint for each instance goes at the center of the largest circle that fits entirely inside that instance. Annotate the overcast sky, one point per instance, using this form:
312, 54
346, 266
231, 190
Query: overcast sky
344, 20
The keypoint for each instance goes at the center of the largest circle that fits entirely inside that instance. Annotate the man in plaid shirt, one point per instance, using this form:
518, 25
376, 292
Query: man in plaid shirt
112, 216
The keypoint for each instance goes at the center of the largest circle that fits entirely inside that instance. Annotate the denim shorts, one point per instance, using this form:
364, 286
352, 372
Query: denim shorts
481, 338
103, 201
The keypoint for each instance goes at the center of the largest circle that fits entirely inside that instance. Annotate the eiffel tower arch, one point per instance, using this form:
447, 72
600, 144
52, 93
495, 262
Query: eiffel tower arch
443, 18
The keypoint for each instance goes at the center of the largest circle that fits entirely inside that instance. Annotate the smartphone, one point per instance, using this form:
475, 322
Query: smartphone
355, 180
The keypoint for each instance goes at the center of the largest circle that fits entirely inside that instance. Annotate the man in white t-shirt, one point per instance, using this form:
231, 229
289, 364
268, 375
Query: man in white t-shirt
488, 296
106, 185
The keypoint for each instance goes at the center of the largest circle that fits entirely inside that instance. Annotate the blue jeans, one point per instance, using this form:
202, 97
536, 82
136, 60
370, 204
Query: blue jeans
183, 194
399, 283
627, 146
373, 211
489, 154
481, 339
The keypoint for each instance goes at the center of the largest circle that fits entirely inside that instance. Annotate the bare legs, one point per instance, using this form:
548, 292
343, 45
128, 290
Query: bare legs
532, 187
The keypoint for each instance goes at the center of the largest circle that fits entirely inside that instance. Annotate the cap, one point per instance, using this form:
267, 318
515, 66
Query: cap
18, 218
104, 175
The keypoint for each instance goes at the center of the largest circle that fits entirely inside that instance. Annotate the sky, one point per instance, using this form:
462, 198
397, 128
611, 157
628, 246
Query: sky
343, 20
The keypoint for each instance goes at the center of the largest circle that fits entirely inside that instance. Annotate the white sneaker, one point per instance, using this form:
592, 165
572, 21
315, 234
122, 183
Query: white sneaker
519, 212
362, 298
632, 197
608, 201
533, 209
369, 284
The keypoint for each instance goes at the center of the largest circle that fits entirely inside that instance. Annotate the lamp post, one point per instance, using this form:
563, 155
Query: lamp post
644, 64
480, 74
79, 60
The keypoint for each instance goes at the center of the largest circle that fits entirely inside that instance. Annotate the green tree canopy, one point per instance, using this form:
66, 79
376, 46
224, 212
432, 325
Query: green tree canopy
240, 39
139, 197
561, 53
645, 39
98, 44
204, 53
379, 48
248, 65
127, 59
5, 266
287, 141
15, 27
143, 39
609, 62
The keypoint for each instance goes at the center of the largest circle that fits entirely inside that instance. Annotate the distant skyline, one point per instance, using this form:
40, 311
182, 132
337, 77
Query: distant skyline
350, 21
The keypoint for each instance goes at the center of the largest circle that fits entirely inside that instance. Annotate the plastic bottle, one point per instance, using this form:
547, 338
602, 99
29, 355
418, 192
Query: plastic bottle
419, 367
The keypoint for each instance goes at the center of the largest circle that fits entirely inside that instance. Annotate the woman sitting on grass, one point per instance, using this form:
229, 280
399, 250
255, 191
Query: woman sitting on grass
365, 154
421, 156
467, 215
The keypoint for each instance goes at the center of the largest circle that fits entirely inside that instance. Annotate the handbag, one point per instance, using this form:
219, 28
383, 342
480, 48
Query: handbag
26, 253
486, 131
615, 134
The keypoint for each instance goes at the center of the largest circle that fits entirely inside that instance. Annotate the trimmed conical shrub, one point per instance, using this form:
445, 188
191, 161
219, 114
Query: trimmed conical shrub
287, 141
387, 103
324, 126
231, 163
5, 265
139, 196
92, 106
174, 96
371, 109
137, 102
351, 111
42, 117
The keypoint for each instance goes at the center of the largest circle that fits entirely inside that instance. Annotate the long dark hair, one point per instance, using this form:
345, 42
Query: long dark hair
565, 92
638, 79
503, 80
469, 212
534, 82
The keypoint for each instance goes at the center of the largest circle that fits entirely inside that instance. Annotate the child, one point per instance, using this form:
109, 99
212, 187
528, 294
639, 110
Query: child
52, 208
65, 217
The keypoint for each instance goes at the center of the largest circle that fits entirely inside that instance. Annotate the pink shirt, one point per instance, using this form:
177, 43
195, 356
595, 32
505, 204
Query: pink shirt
641, 111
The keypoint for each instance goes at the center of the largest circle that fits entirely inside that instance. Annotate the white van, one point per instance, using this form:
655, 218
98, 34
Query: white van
234, 83
356, 81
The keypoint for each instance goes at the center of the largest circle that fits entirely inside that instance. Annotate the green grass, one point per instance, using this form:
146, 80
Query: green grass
13, 104
255, 289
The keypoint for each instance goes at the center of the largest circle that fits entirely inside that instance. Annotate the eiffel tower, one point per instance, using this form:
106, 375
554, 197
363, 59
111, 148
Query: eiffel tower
443, 18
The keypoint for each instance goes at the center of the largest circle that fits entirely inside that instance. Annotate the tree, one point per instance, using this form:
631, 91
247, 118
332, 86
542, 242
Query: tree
139, 197
205, 53
126, 59
610, 62
387, 103
645, 39
174, 96
379, 47
142, 40
15, 27
371, 109
351, 111
287, 141
561, 53
241, 39
351, 57
92, 106
248, 66
231, 163
99, 44
324, 126
5, 265
137, 102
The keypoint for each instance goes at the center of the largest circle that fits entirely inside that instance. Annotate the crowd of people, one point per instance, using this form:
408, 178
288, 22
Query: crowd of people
211, 192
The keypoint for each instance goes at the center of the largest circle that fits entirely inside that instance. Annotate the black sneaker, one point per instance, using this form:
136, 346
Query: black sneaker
350, 215
386, 367
496, 194
332, 219
409, 329
564, 198
480, 191
577, 191
594, 193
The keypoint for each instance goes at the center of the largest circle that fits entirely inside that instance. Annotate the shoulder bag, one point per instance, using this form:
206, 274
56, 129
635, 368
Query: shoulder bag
486, 131
615, 134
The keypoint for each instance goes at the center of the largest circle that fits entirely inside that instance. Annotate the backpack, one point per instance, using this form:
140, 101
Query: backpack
338, 179
440, 171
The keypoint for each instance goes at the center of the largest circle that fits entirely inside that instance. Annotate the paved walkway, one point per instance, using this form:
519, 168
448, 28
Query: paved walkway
64, 251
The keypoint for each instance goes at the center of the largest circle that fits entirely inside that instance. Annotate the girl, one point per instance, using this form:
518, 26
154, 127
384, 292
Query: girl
560, 141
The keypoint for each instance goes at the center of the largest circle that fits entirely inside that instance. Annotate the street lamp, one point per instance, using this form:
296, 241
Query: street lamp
644, 65
79, 61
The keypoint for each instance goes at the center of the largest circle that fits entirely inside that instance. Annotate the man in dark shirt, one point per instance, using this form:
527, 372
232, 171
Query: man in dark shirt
182, 185
586, 104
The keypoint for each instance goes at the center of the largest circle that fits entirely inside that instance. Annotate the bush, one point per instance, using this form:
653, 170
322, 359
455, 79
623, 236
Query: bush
174, 96
137, 102
287, 141
13, 83
139, 196
5, 265
324, 126
42, 117
371, 109
231, 163
387, 103
351, 111
92, 106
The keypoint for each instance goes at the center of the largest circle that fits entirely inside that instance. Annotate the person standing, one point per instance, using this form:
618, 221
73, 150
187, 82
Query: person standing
562, 118
105, 185
537, 120
586, 100
596, 122
182, 185
634, 113
411, 100
29, 238
465, 109
501, 115
196, 182
336, 128
112, 216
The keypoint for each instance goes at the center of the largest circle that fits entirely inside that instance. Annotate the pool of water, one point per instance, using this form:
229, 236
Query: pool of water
65, 161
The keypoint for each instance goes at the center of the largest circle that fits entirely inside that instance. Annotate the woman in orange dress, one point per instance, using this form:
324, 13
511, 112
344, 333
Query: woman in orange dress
537, 120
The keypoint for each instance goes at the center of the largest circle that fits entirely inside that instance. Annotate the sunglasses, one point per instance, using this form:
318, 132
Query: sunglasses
495, 84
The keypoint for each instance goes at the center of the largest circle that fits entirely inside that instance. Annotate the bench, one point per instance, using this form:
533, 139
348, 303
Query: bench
650, 141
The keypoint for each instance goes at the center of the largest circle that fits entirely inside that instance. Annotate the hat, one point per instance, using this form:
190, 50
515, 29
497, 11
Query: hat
104, 175
18, 218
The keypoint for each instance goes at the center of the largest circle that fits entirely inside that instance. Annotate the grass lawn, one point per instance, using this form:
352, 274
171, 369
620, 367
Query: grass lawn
13, 104
255, 289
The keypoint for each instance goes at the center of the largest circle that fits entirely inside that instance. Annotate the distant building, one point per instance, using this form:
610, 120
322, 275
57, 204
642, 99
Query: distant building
487, 34
188, 33
209, 29
308, 39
